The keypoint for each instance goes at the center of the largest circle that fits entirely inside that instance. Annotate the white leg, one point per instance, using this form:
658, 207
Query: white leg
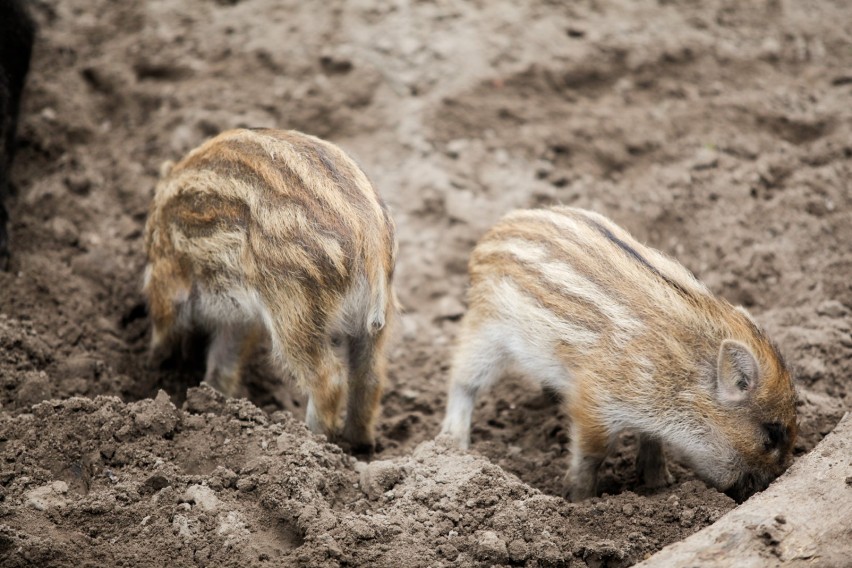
480, 360
582, 479
312, 418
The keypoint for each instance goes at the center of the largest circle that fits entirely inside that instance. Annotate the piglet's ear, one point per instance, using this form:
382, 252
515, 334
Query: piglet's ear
738, 372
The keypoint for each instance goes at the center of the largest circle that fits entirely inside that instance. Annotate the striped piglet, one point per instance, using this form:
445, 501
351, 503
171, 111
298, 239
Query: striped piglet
631, 340
278, 235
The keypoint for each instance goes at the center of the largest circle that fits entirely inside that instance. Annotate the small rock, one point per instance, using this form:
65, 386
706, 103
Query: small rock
180, 526
363, 530
491, 547
204, 399
82, 366
202, 496
34, 388
705, 159
770, 49
449, 307
462, 206
501, 156
456, 147
64, 230
549, 553
811, 369
329, 545
47, 496
543, 168
232, 526
78, 183
98, 265
518, 550
448, 551
156, 482
159, 416
409, 394
335, 64
225, 476
378, 477
832, 309
409, 326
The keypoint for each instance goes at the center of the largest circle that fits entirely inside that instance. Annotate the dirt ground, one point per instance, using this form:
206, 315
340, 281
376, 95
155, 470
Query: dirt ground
717, 131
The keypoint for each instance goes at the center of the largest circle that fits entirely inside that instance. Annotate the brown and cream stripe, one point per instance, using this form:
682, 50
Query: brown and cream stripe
627, 334
283, 232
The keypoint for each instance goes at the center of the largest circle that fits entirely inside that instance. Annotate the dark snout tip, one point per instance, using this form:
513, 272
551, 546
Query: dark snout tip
746, 486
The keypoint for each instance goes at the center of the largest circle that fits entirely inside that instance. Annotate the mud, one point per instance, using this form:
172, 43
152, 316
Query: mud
719, 132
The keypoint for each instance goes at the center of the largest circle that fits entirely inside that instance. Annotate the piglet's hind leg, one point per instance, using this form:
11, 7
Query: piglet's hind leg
230, 348
480, 361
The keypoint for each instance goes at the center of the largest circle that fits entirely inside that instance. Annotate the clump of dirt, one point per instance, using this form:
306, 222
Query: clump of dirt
718, 132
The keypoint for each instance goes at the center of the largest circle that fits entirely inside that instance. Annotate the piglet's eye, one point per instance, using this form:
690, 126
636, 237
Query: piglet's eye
776, 435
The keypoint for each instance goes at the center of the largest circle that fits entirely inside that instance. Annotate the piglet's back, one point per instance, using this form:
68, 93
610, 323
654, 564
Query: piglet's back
599, 291
255, 206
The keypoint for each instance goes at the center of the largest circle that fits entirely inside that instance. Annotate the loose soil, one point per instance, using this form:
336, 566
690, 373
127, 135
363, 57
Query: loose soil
719, 132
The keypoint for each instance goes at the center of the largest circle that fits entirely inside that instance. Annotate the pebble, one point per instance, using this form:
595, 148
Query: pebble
180, 526
47, 496
705, 159
449, 307
518, 550
491, 547
203, 497
456, 147
157, 482
378, 477
64, 230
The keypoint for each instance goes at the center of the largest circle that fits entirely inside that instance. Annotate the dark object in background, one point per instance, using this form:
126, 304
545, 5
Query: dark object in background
17, 31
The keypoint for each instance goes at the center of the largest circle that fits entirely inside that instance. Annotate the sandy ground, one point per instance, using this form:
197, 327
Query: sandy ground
719, 132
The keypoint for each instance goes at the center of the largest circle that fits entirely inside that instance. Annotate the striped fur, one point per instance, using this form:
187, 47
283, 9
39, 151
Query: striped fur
633, 341
276, 234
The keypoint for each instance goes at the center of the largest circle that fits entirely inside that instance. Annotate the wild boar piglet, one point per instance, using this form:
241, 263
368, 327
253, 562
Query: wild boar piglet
631, 340
276, 235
